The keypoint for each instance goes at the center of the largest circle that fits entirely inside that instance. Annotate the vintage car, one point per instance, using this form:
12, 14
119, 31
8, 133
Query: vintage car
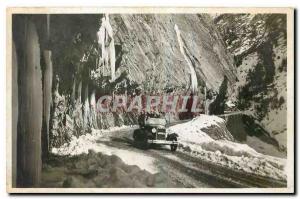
152, 131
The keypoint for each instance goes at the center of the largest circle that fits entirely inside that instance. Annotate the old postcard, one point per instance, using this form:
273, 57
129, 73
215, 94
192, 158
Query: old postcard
150, 100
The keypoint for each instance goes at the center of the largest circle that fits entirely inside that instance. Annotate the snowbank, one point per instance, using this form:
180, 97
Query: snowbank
80, 145
84, 143
100, 171
224, 151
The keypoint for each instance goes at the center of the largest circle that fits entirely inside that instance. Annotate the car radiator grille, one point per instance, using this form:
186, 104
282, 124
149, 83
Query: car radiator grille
160, 136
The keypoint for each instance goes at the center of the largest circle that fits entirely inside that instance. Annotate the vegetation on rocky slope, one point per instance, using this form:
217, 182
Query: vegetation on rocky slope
258, 43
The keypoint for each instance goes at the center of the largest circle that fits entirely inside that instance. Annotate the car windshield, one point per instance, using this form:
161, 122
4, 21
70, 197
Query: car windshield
156, 121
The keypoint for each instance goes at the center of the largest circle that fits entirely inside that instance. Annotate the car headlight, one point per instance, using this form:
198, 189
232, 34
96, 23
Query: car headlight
153, 130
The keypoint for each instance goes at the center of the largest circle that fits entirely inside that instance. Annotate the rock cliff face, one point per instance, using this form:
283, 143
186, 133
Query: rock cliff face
258, 43
151, 56
149, 47
159, 53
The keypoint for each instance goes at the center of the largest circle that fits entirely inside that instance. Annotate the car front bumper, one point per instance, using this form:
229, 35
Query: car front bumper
163, 142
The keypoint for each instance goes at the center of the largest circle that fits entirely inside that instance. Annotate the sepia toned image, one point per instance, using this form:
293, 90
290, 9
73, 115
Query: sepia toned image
150, 100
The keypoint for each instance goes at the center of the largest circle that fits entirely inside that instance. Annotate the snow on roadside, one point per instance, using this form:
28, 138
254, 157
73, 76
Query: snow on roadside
84, 143
224, 152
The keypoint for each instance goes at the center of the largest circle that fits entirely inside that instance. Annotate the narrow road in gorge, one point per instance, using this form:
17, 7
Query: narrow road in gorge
188, 171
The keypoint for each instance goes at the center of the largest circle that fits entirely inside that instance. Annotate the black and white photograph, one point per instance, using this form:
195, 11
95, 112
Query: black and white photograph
150, 100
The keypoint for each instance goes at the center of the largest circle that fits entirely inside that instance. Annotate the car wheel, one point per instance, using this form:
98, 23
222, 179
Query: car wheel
144, 143
135, 138
173, 146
